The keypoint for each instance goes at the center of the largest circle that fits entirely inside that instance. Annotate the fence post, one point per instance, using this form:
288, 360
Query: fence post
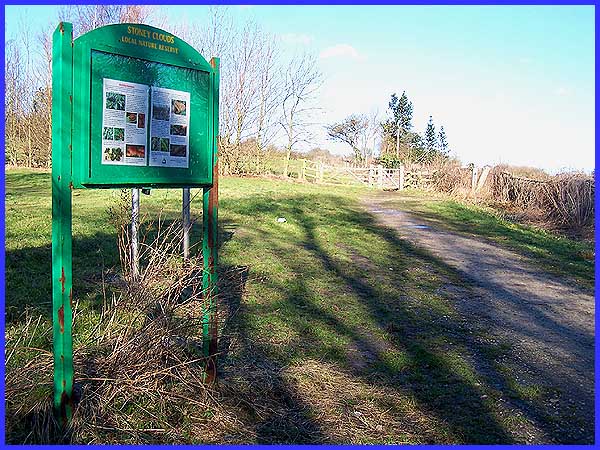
401, 176
370, 175
303, 172
380, 176
482, 178
185, 213
474, 179
321, 170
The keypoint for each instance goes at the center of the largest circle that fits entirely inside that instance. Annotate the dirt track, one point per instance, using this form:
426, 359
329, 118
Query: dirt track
548, 322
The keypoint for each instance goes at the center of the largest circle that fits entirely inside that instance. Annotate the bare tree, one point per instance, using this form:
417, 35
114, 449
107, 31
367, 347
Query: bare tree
371, 135
269, 95
252, 85
213, 39
242, 48
89, 17
14, 90
42, 104
217, 38
352, 130
28, 100
302, 80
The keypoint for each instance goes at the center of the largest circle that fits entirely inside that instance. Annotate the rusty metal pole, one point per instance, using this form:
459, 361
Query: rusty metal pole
62, 282
135, 220
185, 213
210, 207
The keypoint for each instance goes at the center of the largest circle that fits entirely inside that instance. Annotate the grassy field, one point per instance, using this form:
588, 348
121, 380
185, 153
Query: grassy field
334, 331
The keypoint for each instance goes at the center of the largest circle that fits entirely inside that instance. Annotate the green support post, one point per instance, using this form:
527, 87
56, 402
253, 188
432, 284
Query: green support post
62, 293
210, 207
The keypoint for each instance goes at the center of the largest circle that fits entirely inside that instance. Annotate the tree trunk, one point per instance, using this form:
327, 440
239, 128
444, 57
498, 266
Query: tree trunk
287, 161
29, 149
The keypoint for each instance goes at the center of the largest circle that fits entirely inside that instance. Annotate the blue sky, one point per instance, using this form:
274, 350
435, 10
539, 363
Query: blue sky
510, 84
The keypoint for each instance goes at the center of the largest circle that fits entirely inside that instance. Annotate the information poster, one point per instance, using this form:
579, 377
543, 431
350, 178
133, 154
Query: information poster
169, 128
124, 122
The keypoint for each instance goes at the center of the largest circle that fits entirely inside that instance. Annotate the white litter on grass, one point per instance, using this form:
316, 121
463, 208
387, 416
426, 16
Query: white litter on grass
281, 220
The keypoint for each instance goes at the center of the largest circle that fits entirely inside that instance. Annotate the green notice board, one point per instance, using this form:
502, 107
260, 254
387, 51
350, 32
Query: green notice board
145, 110
132, 106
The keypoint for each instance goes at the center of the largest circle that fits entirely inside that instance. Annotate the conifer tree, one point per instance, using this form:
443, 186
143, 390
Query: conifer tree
430, 138
443, 142
404, 114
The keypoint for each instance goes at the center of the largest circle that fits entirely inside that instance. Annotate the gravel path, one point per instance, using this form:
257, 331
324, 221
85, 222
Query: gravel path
548, 321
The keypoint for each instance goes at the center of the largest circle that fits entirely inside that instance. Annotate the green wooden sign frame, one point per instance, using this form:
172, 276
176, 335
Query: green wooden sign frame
130, 53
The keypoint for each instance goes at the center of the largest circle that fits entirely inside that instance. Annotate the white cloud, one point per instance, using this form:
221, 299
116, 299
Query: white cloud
294, 38
340, 50
562, 91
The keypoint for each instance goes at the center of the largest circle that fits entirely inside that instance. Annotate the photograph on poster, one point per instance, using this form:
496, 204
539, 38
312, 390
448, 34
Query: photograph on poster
113, 154
135, 151
178, 150
178, 130
115, 100
179, 107
125, 106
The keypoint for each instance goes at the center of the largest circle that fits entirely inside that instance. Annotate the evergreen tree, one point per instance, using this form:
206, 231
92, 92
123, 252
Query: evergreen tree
401, 111
405, 113
443, 142
430, 138
416, 145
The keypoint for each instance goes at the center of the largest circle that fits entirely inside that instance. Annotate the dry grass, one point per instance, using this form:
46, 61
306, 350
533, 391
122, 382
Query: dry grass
353, 411
138, 361
569, 200
450, 178
565, 201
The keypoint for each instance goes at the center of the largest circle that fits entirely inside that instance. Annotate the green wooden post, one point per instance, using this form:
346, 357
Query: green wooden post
62, 294
210, 206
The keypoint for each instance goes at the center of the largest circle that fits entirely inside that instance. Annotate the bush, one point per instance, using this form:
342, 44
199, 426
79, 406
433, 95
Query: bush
566, 200
390, 161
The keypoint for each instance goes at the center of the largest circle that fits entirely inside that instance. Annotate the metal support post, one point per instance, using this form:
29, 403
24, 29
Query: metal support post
135, 221
185, 212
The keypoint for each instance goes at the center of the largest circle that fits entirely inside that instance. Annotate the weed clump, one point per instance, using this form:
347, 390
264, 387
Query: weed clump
138, 356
